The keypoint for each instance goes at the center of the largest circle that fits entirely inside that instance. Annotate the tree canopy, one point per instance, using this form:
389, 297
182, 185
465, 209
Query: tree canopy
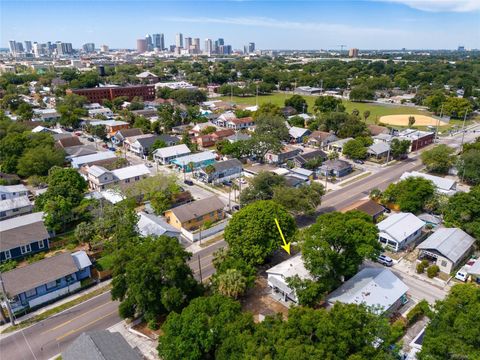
469, 166
439, 159
355, 149
410, 194
463, 210
326, 104
298, 103
252, 234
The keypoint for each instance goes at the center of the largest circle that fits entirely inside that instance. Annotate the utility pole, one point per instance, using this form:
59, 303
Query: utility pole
463, 128
256, 99
199, 268
7, 302
438, 123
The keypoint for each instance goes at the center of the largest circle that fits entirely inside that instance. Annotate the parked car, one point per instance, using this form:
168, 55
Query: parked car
385, 260
357, 161
188, 182
90, 139
462, 274
235, 207
112, 149
227, 183
78, 133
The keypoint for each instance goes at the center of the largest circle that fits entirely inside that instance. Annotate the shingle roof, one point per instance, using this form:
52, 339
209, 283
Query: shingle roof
368, 206
38, 273
336, 164
69, 141
89, 159
227, 164
197, 208
22, 230
451, 243
378, 148
375, 287
124, 133
100, 345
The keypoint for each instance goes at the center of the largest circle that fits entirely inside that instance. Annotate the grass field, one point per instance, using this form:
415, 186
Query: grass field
376, 110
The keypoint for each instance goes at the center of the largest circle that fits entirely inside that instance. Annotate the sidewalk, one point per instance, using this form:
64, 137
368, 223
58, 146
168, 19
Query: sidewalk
406, 267
55, 305
195, 247
146, 346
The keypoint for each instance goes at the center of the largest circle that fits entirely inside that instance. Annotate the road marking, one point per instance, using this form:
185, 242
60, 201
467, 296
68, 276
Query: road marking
84, 326
76, 317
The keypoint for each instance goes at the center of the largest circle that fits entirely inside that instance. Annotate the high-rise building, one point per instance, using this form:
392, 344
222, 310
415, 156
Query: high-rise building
104, 48
461, 48
12, 44
251, 47
148, 39
196, 43
179, 40
88, 47
67, 48
142, 45
208, 46
353, 52
158, 41
28, 46
59, 48
187, 42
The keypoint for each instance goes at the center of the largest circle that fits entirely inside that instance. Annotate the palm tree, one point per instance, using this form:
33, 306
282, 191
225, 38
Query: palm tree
411, 121
231, 283
191, 166
366, 114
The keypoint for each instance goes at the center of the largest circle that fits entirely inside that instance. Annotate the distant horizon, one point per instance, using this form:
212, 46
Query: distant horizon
272, 25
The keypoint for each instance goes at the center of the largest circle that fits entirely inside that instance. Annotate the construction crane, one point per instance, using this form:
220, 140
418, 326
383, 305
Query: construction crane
342, 47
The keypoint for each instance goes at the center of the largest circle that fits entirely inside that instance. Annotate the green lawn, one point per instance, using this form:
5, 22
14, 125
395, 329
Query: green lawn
376, 110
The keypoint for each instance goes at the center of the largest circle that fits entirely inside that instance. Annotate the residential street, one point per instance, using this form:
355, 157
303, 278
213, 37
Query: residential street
49, 337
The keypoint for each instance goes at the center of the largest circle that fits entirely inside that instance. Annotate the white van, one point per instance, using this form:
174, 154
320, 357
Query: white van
462, 274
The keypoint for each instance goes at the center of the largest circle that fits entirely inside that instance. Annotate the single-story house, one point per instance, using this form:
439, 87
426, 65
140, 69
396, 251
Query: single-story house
167, 154
45, 115
22, 236
211, 139
367, 206
337, 146
122, 134
238, 136
100, 345
297, 134
377, 288
443, 185
102, 110
301, 159
198, 160
287, 153
67, 142
222, 119
80, 150
399, 230
221, 171
378, 150
12, 191
15, 206
43, 281
295, 181
308, 90
150, 224
279, 274
99, 178
111, 126
147, 77
336, 167
304, 174
193, 215
102, 157
321, 139
383, 138
377, 129
447, 247
241, 123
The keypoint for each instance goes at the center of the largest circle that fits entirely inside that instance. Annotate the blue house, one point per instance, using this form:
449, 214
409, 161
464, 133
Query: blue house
46, 280
23, 236
198, 160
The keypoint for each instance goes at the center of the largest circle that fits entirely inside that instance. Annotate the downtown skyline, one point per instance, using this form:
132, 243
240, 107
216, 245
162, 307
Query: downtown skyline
379, 24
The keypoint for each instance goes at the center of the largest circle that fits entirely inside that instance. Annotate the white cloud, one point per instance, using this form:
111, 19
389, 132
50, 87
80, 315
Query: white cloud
440, 5
289, 25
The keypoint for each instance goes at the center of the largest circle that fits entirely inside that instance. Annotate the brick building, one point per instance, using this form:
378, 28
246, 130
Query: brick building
98, 94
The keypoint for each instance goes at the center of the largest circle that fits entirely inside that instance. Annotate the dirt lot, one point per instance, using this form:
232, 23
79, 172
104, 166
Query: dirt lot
258, 301
402, 120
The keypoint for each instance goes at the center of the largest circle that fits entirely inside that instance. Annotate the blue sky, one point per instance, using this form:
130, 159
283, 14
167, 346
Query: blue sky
288, 24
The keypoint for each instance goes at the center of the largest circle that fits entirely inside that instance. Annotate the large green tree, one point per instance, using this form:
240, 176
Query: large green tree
399, 148
71, 109
469, 166
298, 103
463, 210
453, 332
326, 104
336, 245
410, 194
354, 149
155, 278
38, 160
252, 234
439, 159
261, 187
302, 200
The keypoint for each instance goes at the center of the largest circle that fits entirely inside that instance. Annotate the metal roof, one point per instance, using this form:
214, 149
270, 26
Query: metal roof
195, 158
297, 132
376, 287
14, 203
379, 148
169, 151
130, 171
149, 224
291, 267
8, 189
439, 182
400, 226
99, 156
451, 243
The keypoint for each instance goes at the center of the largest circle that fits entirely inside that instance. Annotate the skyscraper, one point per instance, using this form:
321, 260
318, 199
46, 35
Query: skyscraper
142, 45
251, 47
88, 47
353, 52
148, 39
196, 44
158, 41
187, 42
179, 40
28, 46
59, 48
208, 46
12, 44
104, 48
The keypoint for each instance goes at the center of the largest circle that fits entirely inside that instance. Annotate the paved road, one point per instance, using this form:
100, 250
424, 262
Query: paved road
49, 337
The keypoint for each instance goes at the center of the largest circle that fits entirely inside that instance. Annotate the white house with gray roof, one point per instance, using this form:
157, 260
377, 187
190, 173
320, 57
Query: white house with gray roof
399, 230
167, 154
149, 224
377, 288
279, 274
447, 247
443, 185
100, 178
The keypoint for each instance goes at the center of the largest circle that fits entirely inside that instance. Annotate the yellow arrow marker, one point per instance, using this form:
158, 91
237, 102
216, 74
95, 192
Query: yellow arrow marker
285, 246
